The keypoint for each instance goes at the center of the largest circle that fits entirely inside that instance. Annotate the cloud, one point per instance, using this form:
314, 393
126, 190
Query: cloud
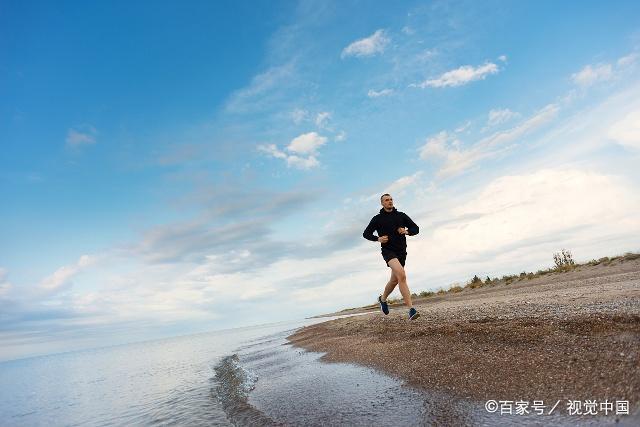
463, 127
272, 150
253, 293
403, 183
497, 117
299, 115
590, 75
190, 241
502, 58
408, 30
626, 131
264, 87
460, 76
302, 151
292, 160
307, 143
397, 188
457, 160
627, 60
234, 223
540, 118
322, 119
369, 46
437, 145
304, 163
341, 136
377, 94
538, 207
81, 136
61, 278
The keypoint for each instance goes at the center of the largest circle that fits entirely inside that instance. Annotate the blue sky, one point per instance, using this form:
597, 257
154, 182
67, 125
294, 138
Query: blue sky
171, 169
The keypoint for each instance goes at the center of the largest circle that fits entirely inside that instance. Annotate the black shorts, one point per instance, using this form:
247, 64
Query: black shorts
389, 255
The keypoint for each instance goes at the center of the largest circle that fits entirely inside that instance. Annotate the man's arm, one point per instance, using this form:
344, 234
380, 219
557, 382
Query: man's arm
368, 232
413, 228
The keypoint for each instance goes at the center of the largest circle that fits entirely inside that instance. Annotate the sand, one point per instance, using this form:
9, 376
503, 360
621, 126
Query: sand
573, 335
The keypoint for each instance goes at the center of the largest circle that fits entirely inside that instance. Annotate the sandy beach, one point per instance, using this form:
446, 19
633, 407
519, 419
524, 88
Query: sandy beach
563, 336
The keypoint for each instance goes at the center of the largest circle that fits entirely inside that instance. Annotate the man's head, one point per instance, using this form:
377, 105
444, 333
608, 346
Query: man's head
387, 202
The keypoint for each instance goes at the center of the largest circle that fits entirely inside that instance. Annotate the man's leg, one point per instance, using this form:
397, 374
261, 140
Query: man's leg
391, 285
398, 271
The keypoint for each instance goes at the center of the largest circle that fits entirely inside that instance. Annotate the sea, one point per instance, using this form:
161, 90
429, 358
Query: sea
247, 376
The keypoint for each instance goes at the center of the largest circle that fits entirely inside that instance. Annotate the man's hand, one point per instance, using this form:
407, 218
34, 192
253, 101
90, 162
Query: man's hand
383, 239
403, 230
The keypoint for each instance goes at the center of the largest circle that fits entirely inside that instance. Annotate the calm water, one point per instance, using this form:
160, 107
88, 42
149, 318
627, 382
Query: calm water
247, 376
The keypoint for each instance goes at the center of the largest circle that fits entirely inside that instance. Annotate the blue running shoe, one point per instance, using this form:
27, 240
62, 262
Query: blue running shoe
383, 305
413, 314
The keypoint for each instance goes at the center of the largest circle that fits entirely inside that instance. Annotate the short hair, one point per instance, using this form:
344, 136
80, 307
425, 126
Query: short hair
385, 194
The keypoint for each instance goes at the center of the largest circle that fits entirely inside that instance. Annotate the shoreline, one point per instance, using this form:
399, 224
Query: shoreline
566, 336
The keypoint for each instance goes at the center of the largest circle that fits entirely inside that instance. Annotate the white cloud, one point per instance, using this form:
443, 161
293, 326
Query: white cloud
267, 80
369, 46
307, 143
401, 184
627, 60
322, 119
273, 151
263, 87
256, 292
341, 136
627, 131
61, 278
302, 151
541, 206
302, 162
299, 115
397, 188
81, 135
590, 75
463, 127
457, 160
502, 58
377, 94
436, 146
461, 76
497, 117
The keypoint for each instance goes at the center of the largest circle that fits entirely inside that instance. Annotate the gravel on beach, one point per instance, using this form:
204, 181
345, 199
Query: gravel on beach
569, 336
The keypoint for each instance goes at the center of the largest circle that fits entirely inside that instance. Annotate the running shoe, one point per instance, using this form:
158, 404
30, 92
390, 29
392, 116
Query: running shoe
383, 305
413, 314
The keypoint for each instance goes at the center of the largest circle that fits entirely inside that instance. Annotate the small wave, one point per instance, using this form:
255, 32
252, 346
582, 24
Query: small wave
233, 384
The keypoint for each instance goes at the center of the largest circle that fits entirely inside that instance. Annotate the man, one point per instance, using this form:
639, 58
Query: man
392, 226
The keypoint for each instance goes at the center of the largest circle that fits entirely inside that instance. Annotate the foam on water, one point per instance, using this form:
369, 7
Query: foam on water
233, 386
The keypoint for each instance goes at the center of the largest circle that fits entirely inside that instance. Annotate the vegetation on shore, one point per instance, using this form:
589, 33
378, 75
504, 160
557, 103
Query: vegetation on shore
563, 261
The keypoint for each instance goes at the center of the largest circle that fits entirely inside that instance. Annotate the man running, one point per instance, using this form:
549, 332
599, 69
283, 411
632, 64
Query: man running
392, 226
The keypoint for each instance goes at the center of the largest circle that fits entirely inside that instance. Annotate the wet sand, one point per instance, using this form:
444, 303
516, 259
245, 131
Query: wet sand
562, 336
